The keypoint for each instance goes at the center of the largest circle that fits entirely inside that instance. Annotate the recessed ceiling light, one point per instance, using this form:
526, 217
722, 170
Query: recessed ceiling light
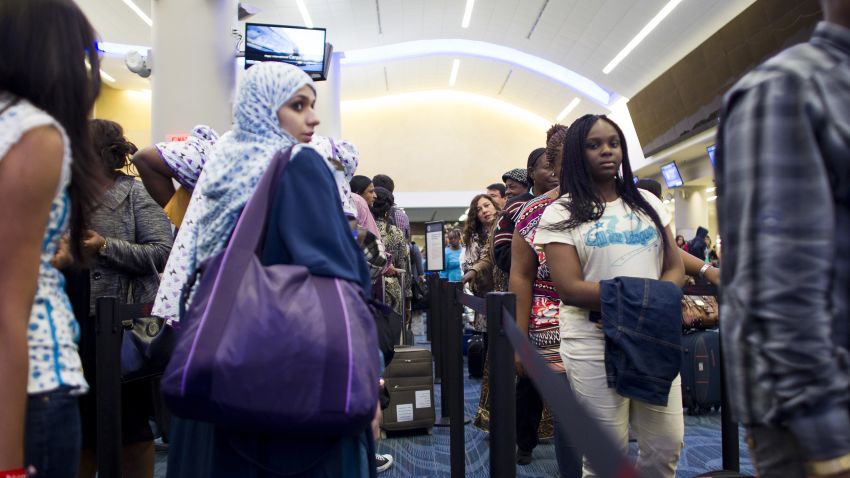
570, 107
453, 76
641, 35
106, 76
138, 11
308, 22
709, 190
711, 198
467, 13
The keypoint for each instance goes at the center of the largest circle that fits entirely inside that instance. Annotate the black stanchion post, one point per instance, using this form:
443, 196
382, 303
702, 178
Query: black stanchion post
108, 332
444, 318
728, 427
434, 324
502, 388
454, 364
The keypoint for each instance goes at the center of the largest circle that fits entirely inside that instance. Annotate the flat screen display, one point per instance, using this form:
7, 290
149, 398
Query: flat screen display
710, 151
671, 175
302, 47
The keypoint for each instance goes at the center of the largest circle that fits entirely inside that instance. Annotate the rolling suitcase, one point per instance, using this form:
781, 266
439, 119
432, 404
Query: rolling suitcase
701, 371
409, 379
475, 356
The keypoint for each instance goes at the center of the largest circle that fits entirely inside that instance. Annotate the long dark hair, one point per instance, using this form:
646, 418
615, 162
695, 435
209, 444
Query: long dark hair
473, 225
110, 145
51, 73
585, 203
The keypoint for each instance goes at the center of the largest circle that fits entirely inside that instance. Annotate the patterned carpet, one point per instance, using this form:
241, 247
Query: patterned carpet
421, 455
428, 455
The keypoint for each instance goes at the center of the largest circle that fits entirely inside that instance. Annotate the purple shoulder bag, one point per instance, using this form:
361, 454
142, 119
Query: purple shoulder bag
273, 349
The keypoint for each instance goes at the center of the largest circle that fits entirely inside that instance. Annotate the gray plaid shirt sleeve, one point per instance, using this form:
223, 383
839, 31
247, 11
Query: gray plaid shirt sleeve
777, 215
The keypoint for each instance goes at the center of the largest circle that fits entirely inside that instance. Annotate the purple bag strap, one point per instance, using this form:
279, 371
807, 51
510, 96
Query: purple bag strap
333, 148
250, 227
238, 254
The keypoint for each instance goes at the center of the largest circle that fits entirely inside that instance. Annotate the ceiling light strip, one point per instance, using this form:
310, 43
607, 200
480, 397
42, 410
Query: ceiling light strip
570, 107
305, 15
480, 49
467, 13
641, 35
420, 99
453, 76
539, 15
138, 11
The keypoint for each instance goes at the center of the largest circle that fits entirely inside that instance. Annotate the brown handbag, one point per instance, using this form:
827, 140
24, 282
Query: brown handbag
699, 312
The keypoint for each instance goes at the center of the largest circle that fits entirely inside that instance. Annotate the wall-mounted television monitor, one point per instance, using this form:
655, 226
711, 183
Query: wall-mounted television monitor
305, 48
710, 151
671, 175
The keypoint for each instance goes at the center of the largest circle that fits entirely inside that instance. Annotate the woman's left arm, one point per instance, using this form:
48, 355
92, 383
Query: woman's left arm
673, 269
152, 244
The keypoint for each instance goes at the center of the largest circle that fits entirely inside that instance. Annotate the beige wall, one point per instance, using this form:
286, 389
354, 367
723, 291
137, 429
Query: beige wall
441, 141
129, 108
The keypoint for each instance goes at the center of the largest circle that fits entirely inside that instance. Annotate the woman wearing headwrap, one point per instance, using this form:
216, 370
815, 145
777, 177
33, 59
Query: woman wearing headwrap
273, 112
342, 158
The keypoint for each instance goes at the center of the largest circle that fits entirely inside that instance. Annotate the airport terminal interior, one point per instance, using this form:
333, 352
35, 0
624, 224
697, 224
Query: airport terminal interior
448, 126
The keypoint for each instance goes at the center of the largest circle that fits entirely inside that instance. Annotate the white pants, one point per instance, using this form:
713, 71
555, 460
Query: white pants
659, 430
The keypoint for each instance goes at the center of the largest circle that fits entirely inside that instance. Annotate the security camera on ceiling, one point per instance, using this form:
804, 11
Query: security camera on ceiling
138, 64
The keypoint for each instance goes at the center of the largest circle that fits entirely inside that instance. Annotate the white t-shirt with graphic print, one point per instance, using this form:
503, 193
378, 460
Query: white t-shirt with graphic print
621, 243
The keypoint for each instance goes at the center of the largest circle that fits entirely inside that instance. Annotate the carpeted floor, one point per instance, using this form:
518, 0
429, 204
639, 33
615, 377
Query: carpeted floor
422, 455
428, 455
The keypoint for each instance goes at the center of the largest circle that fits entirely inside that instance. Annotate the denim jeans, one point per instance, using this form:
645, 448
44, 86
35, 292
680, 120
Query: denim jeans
53, 437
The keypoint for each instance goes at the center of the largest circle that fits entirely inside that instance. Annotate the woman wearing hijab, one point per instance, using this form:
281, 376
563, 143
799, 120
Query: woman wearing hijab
274, 111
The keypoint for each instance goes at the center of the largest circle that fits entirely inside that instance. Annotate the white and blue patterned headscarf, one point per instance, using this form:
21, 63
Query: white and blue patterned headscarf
242, 155
230, 176
342, 158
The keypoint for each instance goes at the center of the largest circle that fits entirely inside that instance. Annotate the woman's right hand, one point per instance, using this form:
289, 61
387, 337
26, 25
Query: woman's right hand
62, 258
468, 277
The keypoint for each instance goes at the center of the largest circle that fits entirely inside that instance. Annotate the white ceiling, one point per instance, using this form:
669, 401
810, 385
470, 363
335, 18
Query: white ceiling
582, 35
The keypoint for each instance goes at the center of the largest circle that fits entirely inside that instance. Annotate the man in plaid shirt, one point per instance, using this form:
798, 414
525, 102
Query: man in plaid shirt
783, 173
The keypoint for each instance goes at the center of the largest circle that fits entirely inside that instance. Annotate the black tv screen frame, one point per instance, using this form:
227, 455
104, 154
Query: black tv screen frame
313, 66
669, 179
